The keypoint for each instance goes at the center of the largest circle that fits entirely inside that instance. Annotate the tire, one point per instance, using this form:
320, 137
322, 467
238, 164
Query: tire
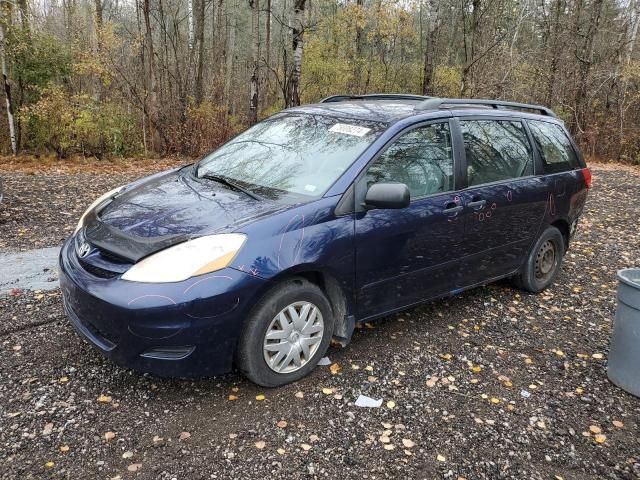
540, 270
255, 351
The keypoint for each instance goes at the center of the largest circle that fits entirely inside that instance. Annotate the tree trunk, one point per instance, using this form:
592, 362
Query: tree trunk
152, 98
7, 86
293, 85
254, 5
199, 91
585, 60
229, 61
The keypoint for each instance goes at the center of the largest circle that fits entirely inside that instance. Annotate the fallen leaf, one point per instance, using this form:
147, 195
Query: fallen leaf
476, 368
299, 395
128, 454
109, 436
260, 444
134, 467
49, 464
597, 356
48, 428
184, 435
281, 451
595, 429
389, 446
618, 424
63, 379
306, 447
441, 458
335, 368
64, 448
384, 439
328, 391
495, 400
232, 397
104, 399
600, 438
432, 382
260, 397
282, 424
408, 443
391, 404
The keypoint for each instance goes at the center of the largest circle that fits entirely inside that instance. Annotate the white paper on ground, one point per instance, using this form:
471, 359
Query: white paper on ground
324, 361
364, 401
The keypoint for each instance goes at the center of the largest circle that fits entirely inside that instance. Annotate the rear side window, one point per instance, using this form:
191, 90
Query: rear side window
496, 150
421, 158
554, 147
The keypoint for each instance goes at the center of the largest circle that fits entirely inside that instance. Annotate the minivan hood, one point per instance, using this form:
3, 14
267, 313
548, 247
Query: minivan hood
169, 208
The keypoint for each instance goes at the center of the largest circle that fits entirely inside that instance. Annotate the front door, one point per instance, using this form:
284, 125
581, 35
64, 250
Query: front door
504, 201
407, 255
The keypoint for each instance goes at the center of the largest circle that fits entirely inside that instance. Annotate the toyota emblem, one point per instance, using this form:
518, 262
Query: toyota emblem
84, 250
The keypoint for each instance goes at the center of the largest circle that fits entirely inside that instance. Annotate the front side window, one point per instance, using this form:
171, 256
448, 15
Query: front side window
554, 147
421, 158
298, 154
496, 150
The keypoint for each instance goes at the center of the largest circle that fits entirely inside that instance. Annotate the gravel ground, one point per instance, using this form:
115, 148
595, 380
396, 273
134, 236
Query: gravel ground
494, 383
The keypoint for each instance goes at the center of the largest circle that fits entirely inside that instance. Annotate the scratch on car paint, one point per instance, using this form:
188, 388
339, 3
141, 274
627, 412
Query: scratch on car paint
509, 195
286, 230
237, 302
147, 296
552, 205
213, 277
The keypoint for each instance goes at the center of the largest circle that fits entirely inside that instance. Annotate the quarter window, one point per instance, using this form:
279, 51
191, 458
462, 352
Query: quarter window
422, 159
554, 147
496, 150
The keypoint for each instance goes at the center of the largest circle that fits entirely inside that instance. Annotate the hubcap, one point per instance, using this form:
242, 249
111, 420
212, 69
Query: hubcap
293, 337
545, 260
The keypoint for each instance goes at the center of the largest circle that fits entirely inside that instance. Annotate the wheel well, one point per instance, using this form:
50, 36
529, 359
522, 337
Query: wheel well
337, 298
563, 226
331, 288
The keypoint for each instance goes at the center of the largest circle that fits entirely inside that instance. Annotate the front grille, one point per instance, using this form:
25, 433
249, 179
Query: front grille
97, 271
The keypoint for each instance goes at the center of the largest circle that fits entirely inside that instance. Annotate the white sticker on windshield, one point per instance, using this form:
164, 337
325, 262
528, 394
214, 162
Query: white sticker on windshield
350, 129
310, 188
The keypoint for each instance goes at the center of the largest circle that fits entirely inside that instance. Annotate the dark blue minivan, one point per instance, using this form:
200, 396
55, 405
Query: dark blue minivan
318, 218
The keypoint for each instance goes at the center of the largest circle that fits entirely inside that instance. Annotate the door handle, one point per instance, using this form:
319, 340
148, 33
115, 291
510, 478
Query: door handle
477, 204
448, 208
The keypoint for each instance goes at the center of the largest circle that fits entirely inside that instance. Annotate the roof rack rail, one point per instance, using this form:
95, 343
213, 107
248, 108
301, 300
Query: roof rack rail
373, 96
436, 103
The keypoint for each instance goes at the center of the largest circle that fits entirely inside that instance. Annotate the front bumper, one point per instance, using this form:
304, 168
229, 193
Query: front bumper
188, 328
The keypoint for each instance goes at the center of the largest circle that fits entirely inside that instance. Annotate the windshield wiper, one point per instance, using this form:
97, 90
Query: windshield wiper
228, 183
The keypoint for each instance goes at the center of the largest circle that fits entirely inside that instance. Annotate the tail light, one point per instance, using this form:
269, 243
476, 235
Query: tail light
586, 174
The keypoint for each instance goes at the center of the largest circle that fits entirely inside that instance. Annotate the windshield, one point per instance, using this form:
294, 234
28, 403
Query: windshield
301, 154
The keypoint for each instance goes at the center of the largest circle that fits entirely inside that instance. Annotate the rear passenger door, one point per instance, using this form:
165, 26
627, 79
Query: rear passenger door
504, 200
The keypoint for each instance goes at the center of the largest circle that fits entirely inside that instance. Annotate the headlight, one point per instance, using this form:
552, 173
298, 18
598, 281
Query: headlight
188, 259
97, 202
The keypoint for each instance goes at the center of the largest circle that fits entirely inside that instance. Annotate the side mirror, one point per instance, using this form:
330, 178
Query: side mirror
387, 196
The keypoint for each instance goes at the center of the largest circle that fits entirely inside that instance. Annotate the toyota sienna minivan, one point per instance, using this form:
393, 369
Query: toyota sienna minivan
314, 220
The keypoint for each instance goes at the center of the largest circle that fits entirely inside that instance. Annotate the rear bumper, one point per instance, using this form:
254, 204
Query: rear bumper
186, 328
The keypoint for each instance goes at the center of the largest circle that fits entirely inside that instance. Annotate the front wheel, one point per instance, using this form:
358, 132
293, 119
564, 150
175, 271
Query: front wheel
543, 262
286, 334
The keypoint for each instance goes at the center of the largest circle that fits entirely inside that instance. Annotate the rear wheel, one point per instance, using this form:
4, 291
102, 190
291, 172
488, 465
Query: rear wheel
286, 334
543, 262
